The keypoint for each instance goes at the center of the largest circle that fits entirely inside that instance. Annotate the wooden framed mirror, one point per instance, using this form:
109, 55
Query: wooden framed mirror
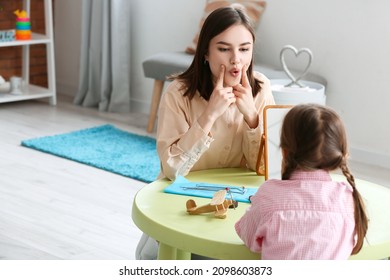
269, 160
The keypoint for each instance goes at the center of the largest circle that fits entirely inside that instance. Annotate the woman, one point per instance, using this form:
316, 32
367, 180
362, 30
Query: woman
211, 115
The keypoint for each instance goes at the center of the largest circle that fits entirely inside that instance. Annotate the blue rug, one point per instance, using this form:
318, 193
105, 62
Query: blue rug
105, 147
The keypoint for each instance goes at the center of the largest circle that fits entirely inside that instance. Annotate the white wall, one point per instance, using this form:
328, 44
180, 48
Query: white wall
167, 25
350, 40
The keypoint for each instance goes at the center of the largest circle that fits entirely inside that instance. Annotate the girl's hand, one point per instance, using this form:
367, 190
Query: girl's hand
245, 101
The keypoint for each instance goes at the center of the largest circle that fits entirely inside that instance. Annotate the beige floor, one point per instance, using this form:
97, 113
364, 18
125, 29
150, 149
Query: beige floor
53, 208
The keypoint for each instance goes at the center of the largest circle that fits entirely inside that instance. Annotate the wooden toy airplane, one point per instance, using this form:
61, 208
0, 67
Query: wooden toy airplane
218, 205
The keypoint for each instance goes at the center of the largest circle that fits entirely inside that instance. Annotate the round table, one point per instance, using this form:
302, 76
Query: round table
163, 216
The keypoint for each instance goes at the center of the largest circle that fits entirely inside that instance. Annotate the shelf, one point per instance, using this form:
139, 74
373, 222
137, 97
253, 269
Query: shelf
36, 39
46, 38
31, 92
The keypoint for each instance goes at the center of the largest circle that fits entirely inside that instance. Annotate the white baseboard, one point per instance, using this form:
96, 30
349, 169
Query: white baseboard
139, 106
65, 89
370, 157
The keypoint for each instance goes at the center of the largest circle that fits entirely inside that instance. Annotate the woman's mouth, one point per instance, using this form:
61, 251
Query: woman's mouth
235, 72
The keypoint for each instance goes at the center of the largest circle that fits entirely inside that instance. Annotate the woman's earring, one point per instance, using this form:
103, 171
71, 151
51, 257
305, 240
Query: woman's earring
205, 62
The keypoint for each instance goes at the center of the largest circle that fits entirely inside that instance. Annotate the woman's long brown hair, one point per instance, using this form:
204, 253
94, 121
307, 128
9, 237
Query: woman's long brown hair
313, 137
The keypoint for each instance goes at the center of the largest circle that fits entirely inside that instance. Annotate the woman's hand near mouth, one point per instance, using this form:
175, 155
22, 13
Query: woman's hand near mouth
220, 100
245, 101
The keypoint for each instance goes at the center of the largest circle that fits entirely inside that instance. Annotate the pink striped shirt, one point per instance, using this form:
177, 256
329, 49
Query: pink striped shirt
307, 217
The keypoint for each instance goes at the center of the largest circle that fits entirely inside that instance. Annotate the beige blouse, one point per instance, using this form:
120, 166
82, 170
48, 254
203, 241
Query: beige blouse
183, 146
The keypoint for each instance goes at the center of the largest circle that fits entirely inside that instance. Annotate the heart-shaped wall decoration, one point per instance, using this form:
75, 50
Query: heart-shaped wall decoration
295, 81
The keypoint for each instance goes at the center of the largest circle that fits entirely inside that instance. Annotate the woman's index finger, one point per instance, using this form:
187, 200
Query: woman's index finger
221, 77
244, 76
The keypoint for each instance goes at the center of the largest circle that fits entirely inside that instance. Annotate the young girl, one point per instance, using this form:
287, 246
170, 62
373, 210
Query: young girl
306, 215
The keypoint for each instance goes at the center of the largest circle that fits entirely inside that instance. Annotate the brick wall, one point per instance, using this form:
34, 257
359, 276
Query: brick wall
11, 57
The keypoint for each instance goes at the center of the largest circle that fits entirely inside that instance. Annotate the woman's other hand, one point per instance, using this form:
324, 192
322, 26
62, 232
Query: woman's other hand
245, 101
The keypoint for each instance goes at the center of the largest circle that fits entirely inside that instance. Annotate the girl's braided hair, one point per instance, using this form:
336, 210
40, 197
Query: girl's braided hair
313, 137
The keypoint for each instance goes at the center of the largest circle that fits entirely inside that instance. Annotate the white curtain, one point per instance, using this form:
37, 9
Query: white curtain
105, 55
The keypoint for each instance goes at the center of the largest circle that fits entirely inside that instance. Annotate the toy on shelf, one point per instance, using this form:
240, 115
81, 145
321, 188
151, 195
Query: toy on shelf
4, 85
7, 35
23, 26
219, 205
